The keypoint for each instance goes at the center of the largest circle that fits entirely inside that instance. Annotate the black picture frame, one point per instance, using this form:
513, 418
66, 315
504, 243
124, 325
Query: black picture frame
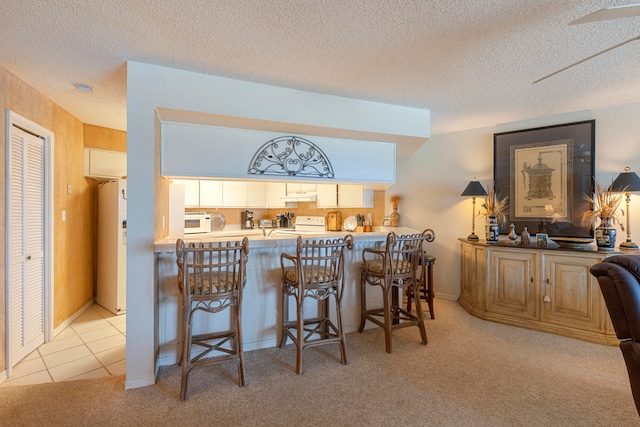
546, 172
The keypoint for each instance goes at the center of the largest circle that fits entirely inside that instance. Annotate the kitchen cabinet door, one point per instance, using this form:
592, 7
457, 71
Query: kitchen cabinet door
104, 164
210, 193
326, 196
256, 194
354, 196
191, 192
234, 194
297, 187
275, 192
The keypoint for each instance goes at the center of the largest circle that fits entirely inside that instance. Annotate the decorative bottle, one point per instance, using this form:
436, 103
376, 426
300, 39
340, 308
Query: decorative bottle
525, 237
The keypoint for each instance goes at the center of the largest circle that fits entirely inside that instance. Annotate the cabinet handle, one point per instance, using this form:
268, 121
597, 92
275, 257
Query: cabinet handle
547, 280
532, 280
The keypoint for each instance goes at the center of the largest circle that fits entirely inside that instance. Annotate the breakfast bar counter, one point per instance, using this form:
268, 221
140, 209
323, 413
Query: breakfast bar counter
261, 308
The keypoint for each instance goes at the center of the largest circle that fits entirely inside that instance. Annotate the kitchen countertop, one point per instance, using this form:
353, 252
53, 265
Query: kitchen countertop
258, 239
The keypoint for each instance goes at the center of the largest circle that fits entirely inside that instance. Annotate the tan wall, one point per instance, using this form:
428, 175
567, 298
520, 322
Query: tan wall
105, 138
74, 266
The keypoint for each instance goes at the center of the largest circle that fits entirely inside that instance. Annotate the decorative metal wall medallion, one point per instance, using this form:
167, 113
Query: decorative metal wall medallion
291, 156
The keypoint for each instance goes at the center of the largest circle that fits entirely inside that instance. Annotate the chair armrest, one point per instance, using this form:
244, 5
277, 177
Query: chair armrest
377, 253
284, 258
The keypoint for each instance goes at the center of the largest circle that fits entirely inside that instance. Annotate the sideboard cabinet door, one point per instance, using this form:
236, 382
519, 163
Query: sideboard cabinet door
513, 283
570, 294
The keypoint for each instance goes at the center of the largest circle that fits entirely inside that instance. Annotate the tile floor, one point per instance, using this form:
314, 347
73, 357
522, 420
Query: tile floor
92, 346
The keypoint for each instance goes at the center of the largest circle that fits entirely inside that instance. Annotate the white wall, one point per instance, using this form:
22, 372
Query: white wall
150, 87
432, 180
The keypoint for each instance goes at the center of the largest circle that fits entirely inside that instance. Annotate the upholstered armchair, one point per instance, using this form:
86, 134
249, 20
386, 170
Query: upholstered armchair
619, 279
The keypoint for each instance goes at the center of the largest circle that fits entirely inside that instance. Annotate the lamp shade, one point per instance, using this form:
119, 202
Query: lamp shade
474, 188
626, 181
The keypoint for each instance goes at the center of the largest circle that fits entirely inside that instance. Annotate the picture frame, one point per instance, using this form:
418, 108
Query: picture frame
541, 240
546, 172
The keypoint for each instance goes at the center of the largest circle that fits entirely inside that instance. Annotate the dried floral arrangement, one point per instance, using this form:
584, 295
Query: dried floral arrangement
395, 200
495, 206
605, 204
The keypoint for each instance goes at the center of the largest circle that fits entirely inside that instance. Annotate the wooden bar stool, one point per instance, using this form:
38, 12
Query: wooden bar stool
211, 277
425, 283
316, 271
393, 269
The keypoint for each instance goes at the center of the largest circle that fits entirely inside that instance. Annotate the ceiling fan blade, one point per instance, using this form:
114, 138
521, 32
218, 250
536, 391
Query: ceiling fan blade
612, 12
587, 58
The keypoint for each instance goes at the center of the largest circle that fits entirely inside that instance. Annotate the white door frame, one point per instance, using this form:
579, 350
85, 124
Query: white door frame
27, 125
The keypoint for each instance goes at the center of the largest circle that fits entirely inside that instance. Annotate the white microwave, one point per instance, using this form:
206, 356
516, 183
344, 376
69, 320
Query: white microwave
197, 222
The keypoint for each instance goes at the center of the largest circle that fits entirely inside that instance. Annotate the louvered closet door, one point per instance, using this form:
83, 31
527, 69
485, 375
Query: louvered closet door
25, 243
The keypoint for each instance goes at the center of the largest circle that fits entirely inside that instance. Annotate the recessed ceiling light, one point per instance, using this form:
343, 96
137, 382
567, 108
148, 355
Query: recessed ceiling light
81, 87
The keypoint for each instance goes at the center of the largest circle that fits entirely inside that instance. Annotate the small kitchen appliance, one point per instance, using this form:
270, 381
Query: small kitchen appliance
197, 222
307, 225
247, 220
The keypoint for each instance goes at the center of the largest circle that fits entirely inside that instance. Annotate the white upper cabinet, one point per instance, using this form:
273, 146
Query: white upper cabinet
191, 192
210, 193
354, 196
275, 192
297, 187
327, 196
104, 164
256, 194
234, 194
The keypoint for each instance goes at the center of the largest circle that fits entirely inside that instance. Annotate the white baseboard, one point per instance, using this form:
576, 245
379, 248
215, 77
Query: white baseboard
139, 382
73, 317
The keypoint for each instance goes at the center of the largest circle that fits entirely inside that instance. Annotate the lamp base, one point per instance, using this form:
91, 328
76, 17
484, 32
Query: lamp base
628, 245
473, 237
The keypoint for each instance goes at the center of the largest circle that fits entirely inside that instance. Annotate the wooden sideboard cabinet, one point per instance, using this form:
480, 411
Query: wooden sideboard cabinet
547, 289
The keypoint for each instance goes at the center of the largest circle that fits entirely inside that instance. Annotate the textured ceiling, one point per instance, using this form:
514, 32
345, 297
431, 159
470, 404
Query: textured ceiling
472, 63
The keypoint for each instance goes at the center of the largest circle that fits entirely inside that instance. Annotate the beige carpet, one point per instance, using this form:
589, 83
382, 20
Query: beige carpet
472, 373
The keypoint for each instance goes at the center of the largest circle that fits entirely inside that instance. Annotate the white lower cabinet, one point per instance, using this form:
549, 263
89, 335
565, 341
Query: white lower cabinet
550, 290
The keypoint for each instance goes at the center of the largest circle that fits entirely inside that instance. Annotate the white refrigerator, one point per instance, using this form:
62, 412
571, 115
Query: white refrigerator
112, 246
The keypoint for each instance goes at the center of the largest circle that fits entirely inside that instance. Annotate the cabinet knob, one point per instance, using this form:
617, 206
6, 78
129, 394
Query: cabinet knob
546, 298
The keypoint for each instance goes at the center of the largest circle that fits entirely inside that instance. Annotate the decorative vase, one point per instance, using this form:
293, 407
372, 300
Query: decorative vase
492, 229
606, 234
525, 237
513, 236
395, 218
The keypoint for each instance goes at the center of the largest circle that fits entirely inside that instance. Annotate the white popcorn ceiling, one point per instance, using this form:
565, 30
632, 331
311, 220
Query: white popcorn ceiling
472, 63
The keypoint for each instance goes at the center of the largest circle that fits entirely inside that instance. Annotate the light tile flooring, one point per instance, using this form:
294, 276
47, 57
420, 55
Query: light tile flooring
92, 346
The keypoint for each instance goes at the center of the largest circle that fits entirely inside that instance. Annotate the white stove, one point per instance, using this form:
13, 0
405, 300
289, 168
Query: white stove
307, 225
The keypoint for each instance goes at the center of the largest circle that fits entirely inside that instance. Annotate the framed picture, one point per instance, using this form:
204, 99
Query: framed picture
546, 172
541, 240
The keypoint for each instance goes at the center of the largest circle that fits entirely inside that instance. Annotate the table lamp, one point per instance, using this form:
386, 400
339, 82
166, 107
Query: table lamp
628, 182
474, 189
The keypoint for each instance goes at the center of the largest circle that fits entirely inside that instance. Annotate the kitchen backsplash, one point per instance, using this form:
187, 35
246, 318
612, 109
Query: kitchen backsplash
233, 216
